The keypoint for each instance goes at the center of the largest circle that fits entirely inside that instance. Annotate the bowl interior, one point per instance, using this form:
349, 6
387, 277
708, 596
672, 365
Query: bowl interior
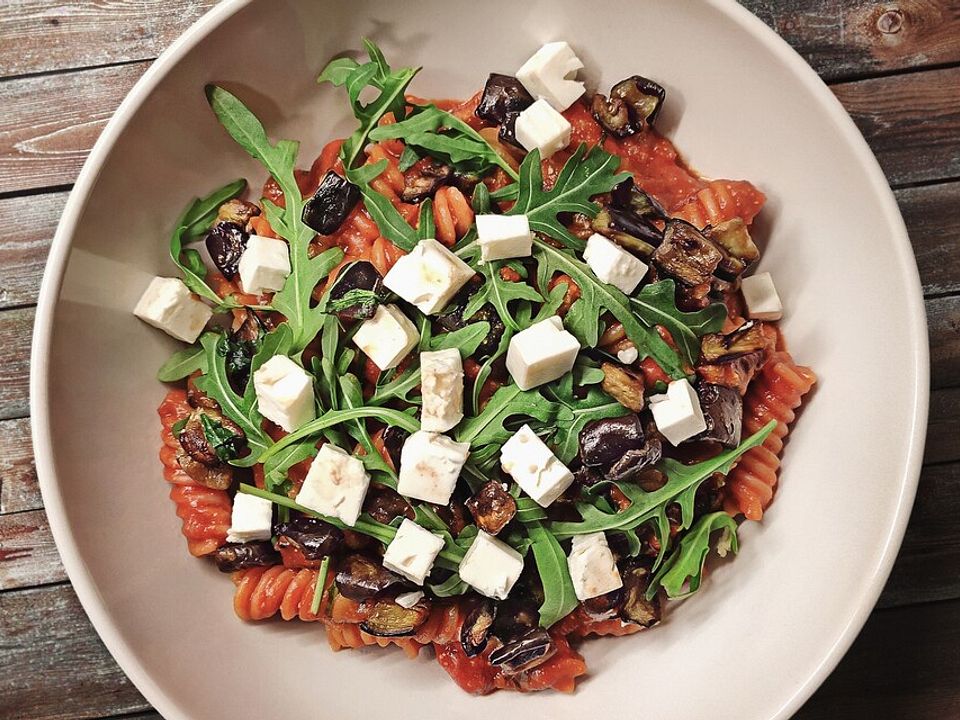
739, 105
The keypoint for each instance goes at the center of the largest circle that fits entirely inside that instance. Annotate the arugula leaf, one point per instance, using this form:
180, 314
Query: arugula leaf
685, 564
583, 319
481, 200
467, 339
182, 363
408, 158
381, 472
426, 229
500, 293
445, 137
681, 487
586, 173
355, 77
320, 587
450, 587
196, 218
390, 222
225, 443
276, 467
559, 598
656, 305
399, 387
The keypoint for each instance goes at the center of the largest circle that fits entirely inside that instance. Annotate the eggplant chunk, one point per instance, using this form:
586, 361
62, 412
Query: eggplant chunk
748, 338
604, 607
356, 292
492, 507
635, 608
240, 556
623, 385
385, 618
739, 251
432, 177
226, 242
360, 578
603, 442
475, 631
723, 412
452, 319
627, 196
385, 505
393, 439
686, 254
237, 211
525, 653
502, 95
635, 234
198, 455
633, 466
633, 106
330, 204
313, 537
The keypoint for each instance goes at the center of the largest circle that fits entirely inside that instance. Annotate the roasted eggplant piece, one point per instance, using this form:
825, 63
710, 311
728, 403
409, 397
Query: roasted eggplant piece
311, 537
686, 254
237, 211
475, 631
452, 320
360, 577
393, 439
240, 556
330, 204
623, 385
388, 619
632, 233
627, 196
723, 412
748, 338
357, 291
385, 505
604, 442
635, 608
525, 653
634, 105
502, 95
633, 466
739, 251
604, 607
207, 440
492, 507
226, 242
432, 177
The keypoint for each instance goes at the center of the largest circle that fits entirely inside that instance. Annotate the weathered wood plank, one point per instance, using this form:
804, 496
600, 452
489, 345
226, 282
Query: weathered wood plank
943, 440
911, 121
943, 318
16, 329
19, 490
904, 666
24, 244
28, 555
925, 569
54, 665
50, 123
852, 38
932, 215
50, 36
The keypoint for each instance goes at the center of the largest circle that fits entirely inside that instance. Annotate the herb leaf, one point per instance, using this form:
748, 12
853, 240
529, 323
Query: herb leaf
587, 172
559, 597
225, 443
467, 339
656, 305
500, 293
686, 562
390, 222
182, 363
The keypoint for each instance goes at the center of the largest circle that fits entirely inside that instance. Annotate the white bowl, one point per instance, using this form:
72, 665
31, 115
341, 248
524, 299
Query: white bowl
765, 630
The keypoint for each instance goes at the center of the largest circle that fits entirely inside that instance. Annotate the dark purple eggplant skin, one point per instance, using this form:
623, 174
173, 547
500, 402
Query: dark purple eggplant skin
452, 319
359, 275
525, 653
330, 204
723, 411
385, 505
502, 94
226, 242
629, 467
475, 631
240, 556
627, 196
360, 577
686, 255
603, 442
312, 536
393, 439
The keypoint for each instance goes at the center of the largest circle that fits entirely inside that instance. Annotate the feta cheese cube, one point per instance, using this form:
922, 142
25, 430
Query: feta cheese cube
538, 472
264, 265
677, 414
760, 295
335, 485
408, 600
541, 353
285, 393
387, 337
430, 465
542, 128
550, 74
412, 551
167, 304
504, 236
612, 264
491, 566
428, 276
592, 566
252, 519
441, 387
628, 355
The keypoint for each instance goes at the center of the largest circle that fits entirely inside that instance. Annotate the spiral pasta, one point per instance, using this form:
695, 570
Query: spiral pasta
722, 200
775, 394
263, 592
452, 215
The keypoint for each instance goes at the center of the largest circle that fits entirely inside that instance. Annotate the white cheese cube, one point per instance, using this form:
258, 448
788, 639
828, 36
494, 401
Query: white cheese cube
387, 337
284, 393
677, 414
491, 566
430, 464
549, 75
542, 128
592, 566
504, 236
541, 353
408, 600
538, 472
412, 551
629, 355
441, 387
336, 485
760, 295
428, 276
252, 519
264, 265
168, 305
612, 264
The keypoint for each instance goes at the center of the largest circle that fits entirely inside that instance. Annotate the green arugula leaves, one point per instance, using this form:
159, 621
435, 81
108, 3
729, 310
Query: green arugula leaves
655, 304
391, 223
559, 597
683, 568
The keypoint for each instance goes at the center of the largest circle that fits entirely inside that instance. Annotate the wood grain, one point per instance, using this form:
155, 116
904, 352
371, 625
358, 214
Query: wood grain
912, 122
943, 319
52, 36
904, 666
25, 243
853, 38
943, 440
16, 328
28, 555
19, 489
54, 665
932, 215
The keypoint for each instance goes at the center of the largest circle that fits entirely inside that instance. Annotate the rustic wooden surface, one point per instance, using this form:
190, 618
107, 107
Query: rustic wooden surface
64, 67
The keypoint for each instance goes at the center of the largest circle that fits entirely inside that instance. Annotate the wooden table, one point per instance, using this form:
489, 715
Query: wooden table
65, 66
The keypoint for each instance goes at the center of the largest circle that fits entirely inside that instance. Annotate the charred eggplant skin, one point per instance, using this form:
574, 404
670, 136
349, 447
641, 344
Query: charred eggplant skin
525, 653
360, 578
634, 105
388, 619
502, 95
475, 631
686, 254
240, 556
226, 242
359, 275
330, 204
604, 442
492, 507
311, 536
723, 412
